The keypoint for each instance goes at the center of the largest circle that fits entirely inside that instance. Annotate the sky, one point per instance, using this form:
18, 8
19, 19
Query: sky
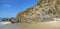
10, 8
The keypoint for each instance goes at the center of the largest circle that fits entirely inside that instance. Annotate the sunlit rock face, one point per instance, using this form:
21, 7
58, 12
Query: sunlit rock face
44, 10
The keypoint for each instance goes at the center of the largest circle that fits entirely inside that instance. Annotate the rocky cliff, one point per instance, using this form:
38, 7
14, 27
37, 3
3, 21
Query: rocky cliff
44, 10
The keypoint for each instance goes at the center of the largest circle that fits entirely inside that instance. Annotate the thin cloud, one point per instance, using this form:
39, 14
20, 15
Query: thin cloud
6, 5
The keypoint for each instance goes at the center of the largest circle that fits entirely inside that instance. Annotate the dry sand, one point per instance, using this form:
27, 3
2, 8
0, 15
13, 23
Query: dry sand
41, 25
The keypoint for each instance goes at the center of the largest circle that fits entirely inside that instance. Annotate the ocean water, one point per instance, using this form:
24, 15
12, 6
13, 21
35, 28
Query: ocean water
8, 25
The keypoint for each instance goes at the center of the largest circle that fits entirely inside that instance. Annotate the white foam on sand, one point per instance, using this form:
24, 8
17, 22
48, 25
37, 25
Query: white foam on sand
8, 25
4, 23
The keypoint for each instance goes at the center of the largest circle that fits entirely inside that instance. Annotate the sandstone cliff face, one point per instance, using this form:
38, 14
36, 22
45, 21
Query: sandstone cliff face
44, 10
58, 7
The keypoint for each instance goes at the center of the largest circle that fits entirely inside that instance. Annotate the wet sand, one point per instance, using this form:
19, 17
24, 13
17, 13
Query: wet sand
41, 25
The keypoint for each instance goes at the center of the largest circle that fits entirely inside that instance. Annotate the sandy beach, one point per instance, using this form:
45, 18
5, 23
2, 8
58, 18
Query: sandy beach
41, 25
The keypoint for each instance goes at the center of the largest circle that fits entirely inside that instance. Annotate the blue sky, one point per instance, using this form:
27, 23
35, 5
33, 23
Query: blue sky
10, 8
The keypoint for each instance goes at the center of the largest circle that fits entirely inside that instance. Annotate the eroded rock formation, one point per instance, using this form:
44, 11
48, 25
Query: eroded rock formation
44, 10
